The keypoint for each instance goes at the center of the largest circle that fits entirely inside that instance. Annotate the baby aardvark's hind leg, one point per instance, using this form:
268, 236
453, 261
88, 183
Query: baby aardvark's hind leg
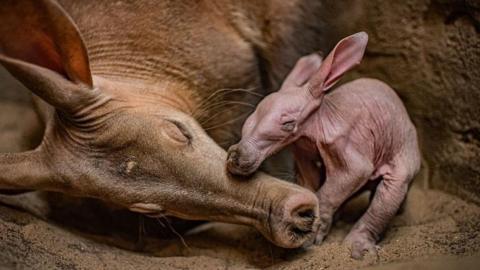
389, 195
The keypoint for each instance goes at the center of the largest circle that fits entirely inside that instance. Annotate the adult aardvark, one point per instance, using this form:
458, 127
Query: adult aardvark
125, 90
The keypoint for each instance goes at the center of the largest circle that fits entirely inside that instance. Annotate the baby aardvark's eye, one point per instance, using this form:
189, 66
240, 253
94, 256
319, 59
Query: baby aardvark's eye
288, 126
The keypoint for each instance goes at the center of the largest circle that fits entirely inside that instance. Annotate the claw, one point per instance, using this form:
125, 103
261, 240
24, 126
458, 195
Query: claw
319, 238
360, 248
325, 222
361, 244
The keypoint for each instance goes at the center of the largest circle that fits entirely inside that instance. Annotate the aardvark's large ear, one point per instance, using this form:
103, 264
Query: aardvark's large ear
41, 46
347, 54
304, 69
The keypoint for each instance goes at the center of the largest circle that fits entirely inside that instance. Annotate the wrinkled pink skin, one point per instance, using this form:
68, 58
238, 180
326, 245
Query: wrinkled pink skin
360, 131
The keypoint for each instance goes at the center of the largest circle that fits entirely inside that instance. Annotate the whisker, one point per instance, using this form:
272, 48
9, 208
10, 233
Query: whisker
248, 91
222, 111
227, 123
141, 232
211, 96
218, 93
174, 231
271, 253
211, 107
161, 223
229, 102
222, 92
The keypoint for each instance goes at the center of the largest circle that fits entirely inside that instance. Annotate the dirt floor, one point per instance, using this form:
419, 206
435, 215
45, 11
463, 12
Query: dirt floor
435, 231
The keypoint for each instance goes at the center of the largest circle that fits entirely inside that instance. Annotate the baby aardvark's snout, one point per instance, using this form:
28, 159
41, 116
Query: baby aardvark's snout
240, 162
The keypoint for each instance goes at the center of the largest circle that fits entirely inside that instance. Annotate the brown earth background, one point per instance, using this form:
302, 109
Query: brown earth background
428, 50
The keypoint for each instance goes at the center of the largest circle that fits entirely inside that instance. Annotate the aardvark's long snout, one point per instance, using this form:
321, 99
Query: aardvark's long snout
293, 216
300, 220
291, 220
198, 187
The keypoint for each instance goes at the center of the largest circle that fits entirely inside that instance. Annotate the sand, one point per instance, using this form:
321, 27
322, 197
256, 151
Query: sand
435, 230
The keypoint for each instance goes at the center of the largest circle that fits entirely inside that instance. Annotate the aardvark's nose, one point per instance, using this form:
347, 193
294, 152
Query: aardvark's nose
300, 220
239, 161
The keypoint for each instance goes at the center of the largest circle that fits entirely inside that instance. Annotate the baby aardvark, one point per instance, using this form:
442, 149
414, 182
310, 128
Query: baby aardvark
360, 131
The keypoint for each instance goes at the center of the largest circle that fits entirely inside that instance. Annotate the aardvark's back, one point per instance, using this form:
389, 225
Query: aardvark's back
375, 119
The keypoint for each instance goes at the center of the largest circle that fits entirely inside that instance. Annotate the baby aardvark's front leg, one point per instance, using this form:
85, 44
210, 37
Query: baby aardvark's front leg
346, 174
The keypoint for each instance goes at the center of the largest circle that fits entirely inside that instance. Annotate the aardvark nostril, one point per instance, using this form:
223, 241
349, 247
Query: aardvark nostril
240, 163
303, 220
233, 157
306, 213
301, 210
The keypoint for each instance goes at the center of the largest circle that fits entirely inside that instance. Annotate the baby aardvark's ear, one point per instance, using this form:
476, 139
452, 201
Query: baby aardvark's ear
304, 69
347, 54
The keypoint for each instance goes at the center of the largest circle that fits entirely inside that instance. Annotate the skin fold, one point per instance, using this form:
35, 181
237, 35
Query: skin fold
360, 132
131, 95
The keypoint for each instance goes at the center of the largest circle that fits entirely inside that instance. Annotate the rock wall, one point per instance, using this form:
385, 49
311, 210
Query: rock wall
429, 51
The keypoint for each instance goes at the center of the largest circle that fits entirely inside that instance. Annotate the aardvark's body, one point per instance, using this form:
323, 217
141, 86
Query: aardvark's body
127, 91
360, 130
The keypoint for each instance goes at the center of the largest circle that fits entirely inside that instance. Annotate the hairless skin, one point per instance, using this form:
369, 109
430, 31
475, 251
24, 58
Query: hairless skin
119, 121
361, 131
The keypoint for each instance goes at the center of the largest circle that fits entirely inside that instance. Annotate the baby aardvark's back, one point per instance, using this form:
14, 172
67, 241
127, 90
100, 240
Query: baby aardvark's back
374, 118
364, 133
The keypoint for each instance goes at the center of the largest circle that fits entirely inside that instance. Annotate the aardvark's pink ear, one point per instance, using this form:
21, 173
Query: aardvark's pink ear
304, 69
346, 54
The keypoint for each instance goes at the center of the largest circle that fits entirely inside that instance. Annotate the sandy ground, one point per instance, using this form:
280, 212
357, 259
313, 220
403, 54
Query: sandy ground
435, 231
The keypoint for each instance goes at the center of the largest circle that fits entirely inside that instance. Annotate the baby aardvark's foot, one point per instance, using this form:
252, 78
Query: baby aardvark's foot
323, 227
360, 244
